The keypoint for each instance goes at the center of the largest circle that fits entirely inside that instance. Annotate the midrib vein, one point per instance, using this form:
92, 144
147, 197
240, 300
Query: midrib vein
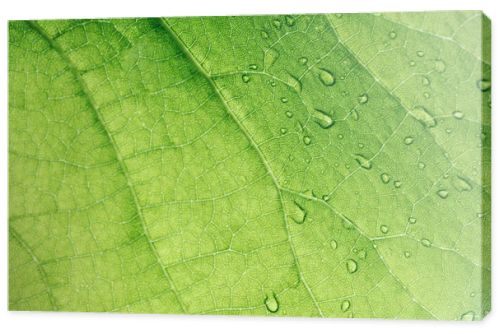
252, 142
72, 67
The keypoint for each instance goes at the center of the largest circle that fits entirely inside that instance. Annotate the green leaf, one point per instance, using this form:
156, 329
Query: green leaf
306, 165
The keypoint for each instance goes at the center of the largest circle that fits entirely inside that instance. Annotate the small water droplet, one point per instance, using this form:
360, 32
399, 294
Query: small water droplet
325, 198
345, 305
412, 220
472, 294
442, 193
270, 57
302, 60
458, 114
352, 266
334, 244
264, 35
323, 119
326, 77
421, 165
363, 161
426, 242
362, 254
423, 116
277, 24
468, 316
426, 81
245, 78
284, 100
298, 213
355, 114
461, 184
420, 53
363, 98
289, 20
484, 85
289, 114
440, 65
307, 140
412, 63
384, 229
408, 140
385, 178
407, 254
393, 34
283, 130
427, 95
397, 184
340, 136
252, 66
272, 303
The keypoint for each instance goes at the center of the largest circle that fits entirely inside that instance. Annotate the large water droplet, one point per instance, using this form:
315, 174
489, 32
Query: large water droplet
345, 305
458, 114
352, 266
426, 242
294, 82
363, 98
461, 184
442, 193
298, 213
272, 303
423, 116
385, 178
270, 57
468, 316
484, 85
326, 77
323, 119
363, 161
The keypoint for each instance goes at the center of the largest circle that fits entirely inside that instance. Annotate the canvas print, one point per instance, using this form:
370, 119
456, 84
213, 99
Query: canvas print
329, 165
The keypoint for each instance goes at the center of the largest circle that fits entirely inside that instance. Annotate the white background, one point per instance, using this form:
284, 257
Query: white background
38, 322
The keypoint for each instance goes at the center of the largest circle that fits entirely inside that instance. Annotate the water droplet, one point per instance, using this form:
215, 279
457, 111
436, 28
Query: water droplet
426, 81
397, 184
352, 266
252, 66
340, 136
334, 244
407, 254
427, 95
442, 193
426, 242
440, 66
264, 35
272, 83
461, 184
326, 77
323, 119
284, 100
384, 229
472, 294
345, 305
362, 254
245, 78
289, 20
302, 60
289, 114
468, 316
408, 140
363, 98
277, 24
283, 130
458, 114
355, 114
412, 63
412, 220
484, 85
294, 82
272, 303
421, 165
298, 213
385, 178
307, 140
270, 57
420, 53
325, 198
393, 34
423, 116
363, 161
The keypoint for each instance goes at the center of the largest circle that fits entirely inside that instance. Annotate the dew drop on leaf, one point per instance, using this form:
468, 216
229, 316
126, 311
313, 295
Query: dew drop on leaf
398, 184
420, 53
252, 66
325, 198
326, 77
362, 254
440, 66
245, 78
442, 193
363, 161
283, 130
363, 98
407, 254
307, 140
393, 34
426, 81
298, 213
352, 266
289, 20
277, 24
323, 119
412, 220
345, 305
302, 60
272, 303
408, 140
264, 35
484, 85
468, 316
385, 178
426, 242
458, 114
384, 229
284, 100
334, 244
289, 114
421, 165
270, 57
461, 184
423, 116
